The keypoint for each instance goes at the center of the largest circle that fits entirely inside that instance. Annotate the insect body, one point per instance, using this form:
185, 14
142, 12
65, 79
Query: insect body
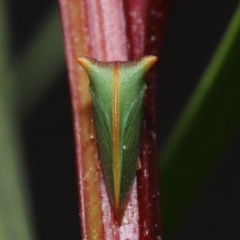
117, 90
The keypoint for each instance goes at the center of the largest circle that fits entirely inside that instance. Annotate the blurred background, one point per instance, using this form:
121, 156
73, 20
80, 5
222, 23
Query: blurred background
37, 101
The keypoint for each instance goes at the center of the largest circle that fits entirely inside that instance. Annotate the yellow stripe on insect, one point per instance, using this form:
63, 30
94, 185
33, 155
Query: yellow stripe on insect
116, 134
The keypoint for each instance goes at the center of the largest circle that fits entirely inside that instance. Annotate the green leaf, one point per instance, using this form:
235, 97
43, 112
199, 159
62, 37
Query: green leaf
15, 218
14, 206
202, 132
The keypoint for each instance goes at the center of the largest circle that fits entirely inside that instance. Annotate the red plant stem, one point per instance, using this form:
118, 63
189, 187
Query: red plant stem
151, 18
108, 31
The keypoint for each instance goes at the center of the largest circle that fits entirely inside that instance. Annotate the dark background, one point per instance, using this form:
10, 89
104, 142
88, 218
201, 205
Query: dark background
192, 34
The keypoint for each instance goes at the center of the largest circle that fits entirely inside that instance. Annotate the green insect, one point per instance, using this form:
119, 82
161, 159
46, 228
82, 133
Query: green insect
117, 90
